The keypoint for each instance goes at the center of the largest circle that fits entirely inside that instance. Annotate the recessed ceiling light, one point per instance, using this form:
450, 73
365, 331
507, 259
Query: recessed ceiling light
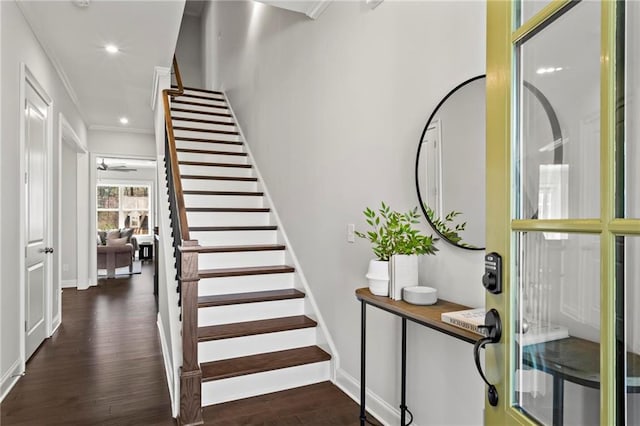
111, 48
124, 120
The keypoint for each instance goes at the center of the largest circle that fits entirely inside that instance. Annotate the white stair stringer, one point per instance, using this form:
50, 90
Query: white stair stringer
231, 389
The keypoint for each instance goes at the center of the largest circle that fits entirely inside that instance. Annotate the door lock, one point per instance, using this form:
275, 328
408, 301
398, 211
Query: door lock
492, 278
493, 333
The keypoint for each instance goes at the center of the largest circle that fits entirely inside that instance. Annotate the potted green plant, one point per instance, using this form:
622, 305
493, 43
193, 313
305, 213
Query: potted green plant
395, 238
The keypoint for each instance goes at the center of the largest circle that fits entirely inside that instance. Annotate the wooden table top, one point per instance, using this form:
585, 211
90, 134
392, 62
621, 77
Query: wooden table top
429, 316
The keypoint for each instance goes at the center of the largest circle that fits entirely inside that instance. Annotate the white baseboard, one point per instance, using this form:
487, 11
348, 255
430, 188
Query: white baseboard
167, 367
375, 405
10, 378
68, 283
57, 321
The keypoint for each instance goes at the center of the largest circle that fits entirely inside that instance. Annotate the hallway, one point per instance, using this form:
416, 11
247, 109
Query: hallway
103, 366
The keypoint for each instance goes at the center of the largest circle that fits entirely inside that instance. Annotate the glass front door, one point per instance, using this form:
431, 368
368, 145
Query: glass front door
562, 209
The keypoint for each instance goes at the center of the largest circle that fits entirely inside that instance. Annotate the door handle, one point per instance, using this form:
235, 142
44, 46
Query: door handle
493, 327
46, 250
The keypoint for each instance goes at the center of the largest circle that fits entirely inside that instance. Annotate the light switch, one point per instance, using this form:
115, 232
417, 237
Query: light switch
351, 236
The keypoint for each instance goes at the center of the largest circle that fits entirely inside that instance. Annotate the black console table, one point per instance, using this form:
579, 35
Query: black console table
428, 316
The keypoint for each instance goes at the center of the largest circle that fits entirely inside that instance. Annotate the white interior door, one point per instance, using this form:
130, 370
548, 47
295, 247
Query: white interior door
37, 276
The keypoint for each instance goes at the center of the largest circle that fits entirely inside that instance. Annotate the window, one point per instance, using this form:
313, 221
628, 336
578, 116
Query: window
123, 206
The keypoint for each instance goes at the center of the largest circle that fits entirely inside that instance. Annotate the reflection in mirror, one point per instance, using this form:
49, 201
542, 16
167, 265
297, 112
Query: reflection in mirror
450, 166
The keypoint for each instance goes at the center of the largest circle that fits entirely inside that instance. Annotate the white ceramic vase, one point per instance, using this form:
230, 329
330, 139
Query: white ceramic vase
378, 276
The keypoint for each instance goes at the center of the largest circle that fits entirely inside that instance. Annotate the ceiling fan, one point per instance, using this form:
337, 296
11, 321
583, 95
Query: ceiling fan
115, 167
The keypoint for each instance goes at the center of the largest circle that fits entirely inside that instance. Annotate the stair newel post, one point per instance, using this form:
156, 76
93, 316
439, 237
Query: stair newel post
190, 374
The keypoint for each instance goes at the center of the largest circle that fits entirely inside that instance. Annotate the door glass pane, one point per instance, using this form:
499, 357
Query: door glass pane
557, 327
628, 170
628, 279
558, 139
528, 8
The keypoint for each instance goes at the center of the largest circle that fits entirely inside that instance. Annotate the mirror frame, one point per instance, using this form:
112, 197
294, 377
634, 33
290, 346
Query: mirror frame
556, 133
424, 131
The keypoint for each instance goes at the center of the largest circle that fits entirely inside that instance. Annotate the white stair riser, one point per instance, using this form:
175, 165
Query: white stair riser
217, 391
244, 284
205, 135
243, 312
186, 169
202, 99
222, 109
227, 219
212, 158
240, 201
251, 345
218, 185
200, 115
205, 126
224, 238
240, 259
209, 146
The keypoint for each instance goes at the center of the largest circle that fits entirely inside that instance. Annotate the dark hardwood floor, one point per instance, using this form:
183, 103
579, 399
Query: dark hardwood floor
104, 367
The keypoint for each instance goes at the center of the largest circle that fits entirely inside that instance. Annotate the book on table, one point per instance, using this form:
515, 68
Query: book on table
468, 319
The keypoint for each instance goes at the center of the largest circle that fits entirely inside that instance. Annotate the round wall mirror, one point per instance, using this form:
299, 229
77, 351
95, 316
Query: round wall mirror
450, 166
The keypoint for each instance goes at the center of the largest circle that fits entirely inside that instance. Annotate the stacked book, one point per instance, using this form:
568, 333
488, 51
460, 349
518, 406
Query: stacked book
470, 319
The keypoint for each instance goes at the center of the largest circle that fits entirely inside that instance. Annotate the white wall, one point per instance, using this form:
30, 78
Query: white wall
333, 110
121, 143
189, 51
69, 206
19, 45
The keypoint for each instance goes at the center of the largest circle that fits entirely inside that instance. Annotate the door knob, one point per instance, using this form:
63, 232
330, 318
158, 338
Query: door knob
493, 327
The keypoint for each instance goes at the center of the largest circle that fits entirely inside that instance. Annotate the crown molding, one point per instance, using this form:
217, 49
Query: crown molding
158, 73
317, 8
54, 61
102, 128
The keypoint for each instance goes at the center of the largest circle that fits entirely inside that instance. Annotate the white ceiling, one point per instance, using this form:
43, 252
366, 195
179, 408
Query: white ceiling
107, 87
311, 8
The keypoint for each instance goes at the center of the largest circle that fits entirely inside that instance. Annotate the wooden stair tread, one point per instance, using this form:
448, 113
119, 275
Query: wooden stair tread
177, 101
198, 90
234, 367
202, 120
208, 151
232, 249
240, 178
204, 163
197, 129
188, 139
228, 209
250, 270
235, 193
251, 328
232, 228
195, 111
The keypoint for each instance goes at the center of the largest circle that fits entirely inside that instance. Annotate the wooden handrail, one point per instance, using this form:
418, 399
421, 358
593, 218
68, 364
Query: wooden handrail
173, 154
180, 90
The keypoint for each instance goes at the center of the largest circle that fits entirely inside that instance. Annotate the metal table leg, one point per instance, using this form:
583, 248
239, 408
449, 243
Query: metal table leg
403, 395
363, 351
558, 400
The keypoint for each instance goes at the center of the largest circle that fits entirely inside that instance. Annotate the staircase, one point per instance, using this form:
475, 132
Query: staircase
256, 330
